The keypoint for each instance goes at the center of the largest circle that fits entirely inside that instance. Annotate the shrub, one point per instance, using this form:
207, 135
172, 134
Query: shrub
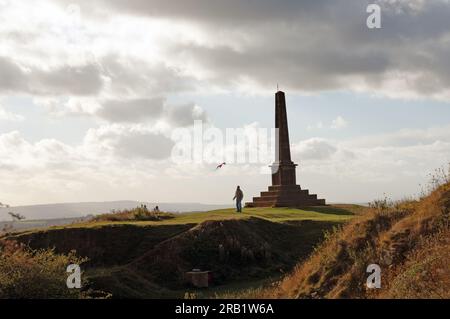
34, 274
138, 213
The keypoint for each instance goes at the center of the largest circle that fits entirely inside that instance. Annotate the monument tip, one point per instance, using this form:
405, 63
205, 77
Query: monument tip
278, 89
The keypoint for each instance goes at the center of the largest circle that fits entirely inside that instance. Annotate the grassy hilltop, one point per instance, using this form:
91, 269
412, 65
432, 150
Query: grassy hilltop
336, 213
137, 254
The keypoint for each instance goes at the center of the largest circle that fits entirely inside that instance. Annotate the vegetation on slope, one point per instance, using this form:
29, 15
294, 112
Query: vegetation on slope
234, 250
33, 274
135, 214
409, 240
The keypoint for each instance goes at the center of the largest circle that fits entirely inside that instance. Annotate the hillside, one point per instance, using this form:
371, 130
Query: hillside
410, 241
148, 259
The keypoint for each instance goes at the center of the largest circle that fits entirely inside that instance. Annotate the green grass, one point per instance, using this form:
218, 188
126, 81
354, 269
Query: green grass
339, 213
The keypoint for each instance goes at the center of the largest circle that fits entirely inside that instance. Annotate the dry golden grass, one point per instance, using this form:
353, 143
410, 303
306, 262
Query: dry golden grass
425, 274
409, 240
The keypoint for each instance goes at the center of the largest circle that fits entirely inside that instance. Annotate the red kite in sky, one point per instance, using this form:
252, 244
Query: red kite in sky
220, 165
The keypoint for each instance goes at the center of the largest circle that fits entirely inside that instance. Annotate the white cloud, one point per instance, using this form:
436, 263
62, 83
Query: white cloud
339, 123
381, 158
60, 107
405, 137
319, 125
314, 149
10, 116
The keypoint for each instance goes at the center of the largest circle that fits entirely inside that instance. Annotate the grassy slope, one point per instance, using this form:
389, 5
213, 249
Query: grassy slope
123, 253
410, 241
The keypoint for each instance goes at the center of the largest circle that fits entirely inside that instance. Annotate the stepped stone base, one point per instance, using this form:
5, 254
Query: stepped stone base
286, 196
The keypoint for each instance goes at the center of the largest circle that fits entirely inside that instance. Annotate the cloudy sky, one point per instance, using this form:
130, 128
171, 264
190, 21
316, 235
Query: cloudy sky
91, 92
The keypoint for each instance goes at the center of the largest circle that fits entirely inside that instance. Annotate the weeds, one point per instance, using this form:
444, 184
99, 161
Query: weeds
138, 213
34, 274
439, 177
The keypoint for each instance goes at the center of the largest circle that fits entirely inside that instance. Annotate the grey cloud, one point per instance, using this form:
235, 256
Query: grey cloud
185, 115
144, 145
129, 77
83, 80
134, 77
293, 69
152, 109
314, 45
231, 11
131, 110
128, 110
305, 45
401, 18
11, 76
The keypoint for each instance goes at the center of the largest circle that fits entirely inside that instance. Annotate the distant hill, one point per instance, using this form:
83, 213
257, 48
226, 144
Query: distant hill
76, 210
39, 223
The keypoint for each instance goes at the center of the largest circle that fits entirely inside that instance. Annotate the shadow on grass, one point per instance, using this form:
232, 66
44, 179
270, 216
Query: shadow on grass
328, 210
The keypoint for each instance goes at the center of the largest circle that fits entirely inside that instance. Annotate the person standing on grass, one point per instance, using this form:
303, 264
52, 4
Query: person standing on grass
239, 195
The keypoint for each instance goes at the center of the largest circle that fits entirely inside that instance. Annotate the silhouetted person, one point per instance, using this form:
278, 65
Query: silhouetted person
239, 195
156, 209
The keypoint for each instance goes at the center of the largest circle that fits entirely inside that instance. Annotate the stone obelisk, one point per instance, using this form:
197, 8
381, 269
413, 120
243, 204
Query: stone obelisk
283, 170
284, 191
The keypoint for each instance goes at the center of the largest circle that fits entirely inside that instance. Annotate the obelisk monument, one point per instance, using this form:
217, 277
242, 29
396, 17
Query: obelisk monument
284, 191
283, 170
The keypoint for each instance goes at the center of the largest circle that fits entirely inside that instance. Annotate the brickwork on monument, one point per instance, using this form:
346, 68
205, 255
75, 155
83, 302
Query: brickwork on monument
284, 191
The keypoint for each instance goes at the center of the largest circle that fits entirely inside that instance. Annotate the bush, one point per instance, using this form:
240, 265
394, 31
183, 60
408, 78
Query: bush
138, 213
34, 274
